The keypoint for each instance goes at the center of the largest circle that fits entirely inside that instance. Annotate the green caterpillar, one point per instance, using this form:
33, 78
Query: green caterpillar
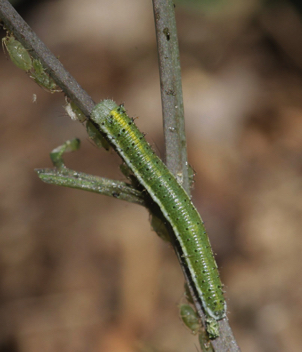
172, 199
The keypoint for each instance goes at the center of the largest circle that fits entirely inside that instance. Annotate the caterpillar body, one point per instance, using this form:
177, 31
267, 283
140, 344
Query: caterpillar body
172, 199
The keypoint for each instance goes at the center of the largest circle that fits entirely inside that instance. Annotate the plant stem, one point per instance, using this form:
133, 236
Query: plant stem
80, 180
171, 90
175, 140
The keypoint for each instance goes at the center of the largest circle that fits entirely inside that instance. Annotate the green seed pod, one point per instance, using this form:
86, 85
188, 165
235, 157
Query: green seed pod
189, 317
42, 78
95, 135
126, 171
204, 342
159, 226
18, 54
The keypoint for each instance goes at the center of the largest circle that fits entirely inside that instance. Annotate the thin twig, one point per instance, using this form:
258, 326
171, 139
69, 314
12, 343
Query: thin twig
171, 90
79, 180
174, 130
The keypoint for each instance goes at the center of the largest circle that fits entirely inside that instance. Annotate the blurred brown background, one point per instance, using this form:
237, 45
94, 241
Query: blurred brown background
82, 272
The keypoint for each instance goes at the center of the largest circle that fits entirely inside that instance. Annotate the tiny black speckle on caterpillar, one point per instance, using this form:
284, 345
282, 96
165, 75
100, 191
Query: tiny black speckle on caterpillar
172, 199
